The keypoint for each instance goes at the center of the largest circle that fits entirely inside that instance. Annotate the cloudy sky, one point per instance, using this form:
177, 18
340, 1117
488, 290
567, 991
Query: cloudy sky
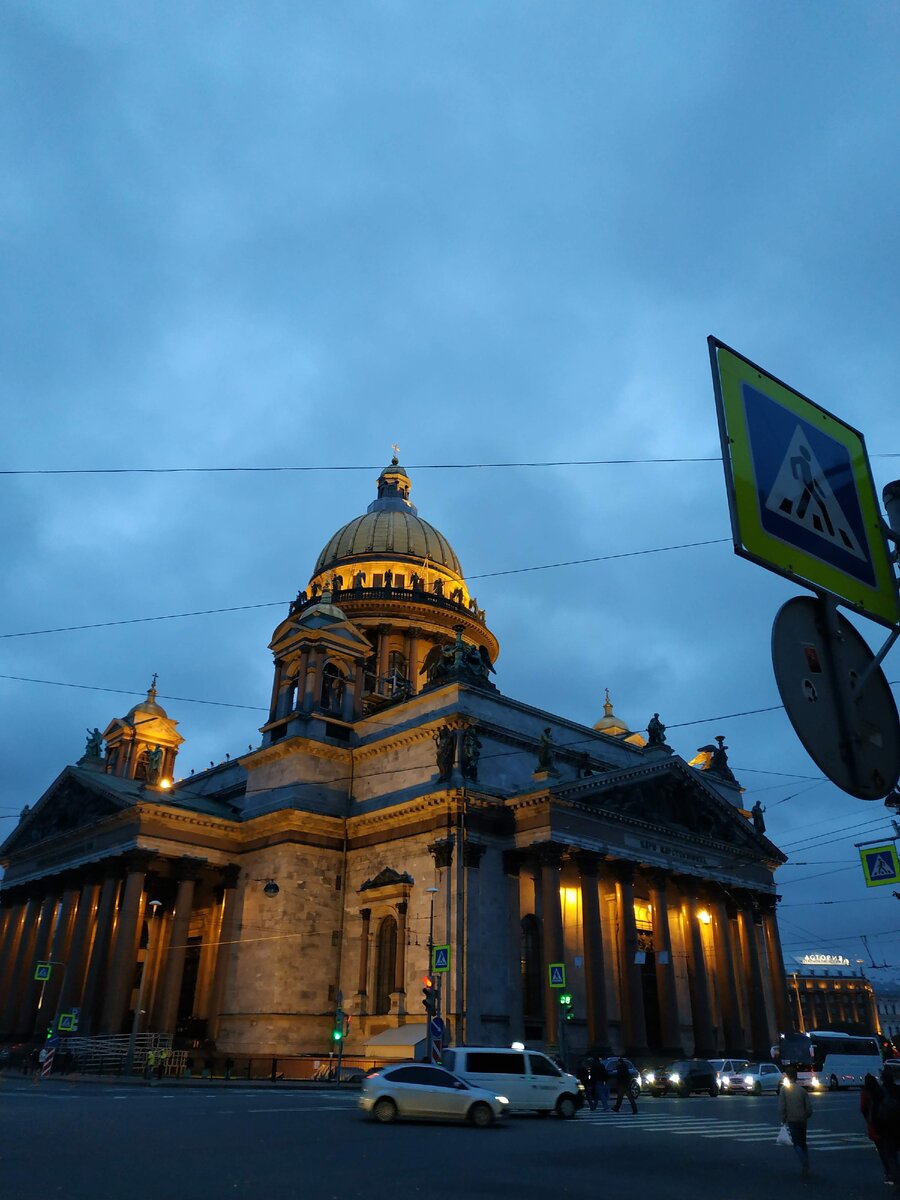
291, 234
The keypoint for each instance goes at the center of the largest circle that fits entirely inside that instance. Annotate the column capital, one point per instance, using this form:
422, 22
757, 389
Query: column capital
229, 876
365, 914
138, 861
402, 908
658, 877
186, 868
513, 861
587, 862
442, 852
622, 870
548, 854
473, 852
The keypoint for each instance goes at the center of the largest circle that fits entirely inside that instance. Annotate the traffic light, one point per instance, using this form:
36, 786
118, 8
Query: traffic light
337, 1033
429, 995
565, 1003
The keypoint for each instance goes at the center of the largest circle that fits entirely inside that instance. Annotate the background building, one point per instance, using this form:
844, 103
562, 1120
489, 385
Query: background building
396, 790
828, 992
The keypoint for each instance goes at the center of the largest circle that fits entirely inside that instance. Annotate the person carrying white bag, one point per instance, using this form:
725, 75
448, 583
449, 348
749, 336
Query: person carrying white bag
795, 1109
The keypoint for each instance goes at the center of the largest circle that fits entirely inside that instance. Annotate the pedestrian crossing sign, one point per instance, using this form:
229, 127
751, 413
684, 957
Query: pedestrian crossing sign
800, 489
43, 971
68, 1022
880, 864
440, 959
557, 975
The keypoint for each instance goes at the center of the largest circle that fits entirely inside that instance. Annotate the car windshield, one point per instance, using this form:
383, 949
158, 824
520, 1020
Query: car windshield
750, 1068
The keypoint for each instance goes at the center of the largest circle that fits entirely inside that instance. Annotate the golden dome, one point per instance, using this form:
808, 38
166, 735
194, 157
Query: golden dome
389, 528
148, 707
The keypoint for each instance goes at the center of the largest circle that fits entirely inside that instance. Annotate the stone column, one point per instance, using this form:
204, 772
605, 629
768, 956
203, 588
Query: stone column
725, 977
173, 968
698, 982
58, 954
400, 960
634, 1020
92, 997
123, 956
669, 1023
594, 969
227, 936
22, 957
308, 683
8, 950
362, 990
512, 963
70, 994
31, 990
759, 1025
276, 690
777, 973
412, 657
550, 859
383, 650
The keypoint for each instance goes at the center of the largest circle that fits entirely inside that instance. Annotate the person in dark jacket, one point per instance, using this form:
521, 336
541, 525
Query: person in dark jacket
795, 1109
601, 1084
587, 1078
623, 1086
879, 1106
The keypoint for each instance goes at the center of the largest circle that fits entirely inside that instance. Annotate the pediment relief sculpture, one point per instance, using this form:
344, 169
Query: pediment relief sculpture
675, 804
69, 807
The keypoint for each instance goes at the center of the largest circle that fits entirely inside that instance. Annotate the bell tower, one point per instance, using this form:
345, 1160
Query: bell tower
143, 744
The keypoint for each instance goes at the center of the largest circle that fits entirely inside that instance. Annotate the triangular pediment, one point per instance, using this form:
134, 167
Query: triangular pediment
72, 801
673, 799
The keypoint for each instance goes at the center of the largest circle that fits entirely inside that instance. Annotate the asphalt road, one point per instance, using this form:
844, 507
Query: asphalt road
64, 1140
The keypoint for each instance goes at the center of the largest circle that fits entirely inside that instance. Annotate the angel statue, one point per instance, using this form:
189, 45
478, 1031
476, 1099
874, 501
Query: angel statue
445, 747
94, 745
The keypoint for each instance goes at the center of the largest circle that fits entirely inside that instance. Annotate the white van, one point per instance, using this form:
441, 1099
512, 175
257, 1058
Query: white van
529, 1080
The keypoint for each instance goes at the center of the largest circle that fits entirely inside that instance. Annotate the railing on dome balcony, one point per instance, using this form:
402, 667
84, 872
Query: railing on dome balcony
419, 595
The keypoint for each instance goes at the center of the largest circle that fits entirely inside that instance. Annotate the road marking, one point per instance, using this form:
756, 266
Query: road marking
712, 1128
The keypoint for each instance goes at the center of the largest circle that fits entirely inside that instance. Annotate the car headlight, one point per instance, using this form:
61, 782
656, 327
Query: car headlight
675, 1077
502, 1099
785, 1082
814, 1081
723, 1082
749, 1080
649, 1077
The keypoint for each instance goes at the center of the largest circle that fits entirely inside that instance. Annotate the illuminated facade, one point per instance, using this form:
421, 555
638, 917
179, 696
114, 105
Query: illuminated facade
297, 877
828, 992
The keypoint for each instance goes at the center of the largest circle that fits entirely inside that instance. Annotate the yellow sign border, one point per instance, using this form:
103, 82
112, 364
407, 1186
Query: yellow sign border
730, 370
892, 850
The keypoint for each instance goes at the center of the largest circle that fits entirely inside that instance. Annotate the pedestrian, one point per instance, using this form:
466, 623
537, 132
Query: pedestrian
623, 1086
587, 1079
149, 1064
795, 1109
879, 1107
601, 1084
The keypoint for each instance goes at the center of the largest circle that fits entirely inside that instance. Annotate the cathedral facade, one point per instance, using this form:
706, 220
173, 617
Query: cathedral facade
397, 799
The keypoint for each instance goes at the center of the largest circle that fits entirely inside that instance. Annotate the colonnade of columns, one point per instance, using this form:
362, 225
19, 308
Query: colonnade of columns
95, 928
712, 966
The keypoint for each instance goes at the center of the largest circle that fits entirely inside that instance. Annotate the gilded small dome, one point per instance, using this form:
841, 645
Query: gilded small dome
389, 528
148, 707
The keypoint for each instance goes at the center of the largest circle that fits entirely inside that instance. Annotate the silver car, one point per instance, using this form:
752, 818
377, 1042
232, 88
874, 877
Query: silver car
754, 1078
424, 1092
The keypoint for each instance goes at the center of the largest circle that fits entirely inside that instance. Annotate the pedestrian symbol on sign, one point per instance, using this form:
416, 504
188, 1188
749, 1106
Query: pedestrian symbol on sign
880, 865
801, 492
440, 958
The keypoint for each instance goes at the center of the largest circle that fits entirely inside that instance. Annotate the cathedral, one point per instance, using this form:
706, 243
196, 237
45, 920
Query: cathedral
585, 886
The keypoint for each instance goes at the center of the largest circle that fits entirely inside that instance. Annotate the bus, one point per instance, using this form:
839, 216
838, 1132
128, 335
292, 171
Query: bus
829, 1060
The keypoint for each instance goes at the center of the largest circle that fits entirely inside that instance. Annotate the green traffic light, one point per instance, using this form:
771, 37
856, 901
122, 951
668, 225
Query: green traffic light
565, 999
336, 1035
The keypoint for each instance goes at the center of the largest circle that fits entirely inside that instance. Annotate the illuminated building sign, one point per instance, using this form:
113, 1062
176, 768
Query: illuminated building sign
824, 960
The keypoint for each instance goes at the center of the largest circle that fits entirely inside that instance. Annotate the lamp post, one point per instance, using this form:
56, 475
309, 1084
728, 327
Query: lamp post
429, 1036
154, 906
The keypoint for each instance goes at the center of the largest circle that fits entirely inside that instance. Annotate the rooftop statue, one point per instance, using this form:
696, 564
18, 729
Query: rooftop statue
656, 731
545, 750
94, 745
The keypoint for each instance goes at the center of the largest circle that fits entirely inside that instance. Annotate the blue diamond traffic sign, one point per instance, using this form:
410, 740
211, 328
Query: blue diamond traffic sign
440, 959
557, 972
880, 865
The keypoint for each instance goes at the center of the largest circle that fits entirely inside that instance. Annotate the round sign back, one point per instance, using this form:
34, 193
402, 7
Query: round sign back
853, 737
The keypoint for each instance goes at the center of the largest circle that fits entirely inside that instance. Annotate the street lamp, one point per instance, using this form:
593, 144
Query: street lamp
429, 1036
154, 906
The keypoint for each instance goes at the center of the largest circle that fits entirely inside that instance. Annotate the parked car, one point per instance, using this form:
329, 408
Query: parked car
422, 1091
753, 1078
682, 1078
611, 1065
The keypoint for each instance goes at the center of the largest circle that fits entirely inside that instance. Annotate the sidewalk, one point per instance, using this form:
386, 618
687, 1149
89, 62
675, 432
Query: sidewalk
169, 1081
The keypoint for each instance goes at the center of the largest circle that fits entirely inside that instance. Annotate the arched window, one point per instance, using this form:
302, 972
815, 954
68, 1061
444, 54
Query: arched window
332, 688
532, 992
140, 767
385, 964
